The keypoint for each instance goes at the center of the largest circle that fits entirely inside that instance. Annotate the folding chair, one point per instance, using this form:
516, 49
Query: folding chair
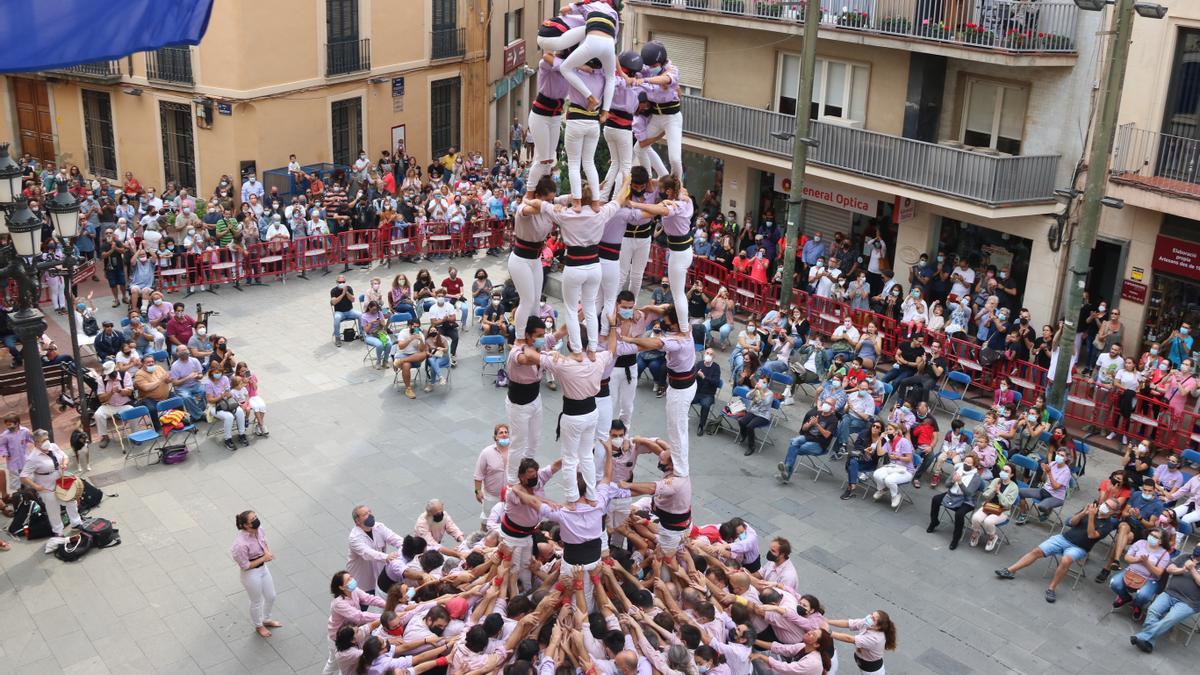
176, 403
902, 488
725, 421
1081, 458
764, 439
973, 414
498, 358
1077, 571
785, 382
160, 356
142, 439
947, 392
695, 408
818, 464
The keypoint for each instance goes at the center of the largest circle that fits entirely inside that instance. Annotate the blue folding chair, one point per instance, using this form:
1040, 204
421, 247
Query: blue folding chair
497, 359
160, 356
1191, 457
1054, 414
399, 318
973, 414
948, 393
727, 422
176, 403
142, 439
1079, 467
785, 380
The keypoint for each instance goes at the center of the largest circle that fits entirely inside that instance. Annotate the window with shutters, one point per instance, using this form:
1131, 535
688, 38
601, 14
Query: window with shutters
346, 118
444, 105
839, 88
445, 14
686, 53
179, 159
341, 18
513, 22
994, 115
98, 132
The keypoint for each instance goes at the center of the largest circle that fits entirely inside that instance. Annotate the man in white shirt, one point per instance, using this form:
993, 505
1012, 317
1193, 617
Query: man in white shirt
184, 201
151, 199
823, 278
964, 279
444, 317
251, 187
276, 232
316, 225
779, 568
1107, 364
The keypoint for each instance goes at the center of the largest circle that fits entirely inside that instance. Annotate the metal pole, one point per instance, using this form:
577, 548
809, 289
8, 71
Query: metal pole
28, 325
80, 397
795, 215
1084, 238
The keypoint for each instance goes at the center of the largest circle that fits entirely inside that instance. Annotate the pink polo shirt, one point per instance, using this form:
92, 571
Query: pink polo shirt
673, 494
491, 468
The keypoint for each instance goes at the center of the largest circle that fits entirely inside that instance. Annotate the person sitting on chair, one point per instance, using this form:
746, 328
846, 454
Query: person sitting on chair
816, 435
408, 352
758, 413
959, 499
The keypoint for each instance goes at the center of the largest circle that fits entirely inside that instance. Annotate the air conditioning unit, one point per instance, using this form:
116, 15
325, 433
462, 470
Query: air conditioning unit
841, 122
954, 143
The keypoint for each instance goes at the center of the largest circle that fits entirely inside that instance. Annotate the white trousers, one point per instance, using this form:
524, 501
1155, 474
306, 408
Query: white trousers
635, 253
261, 588
610, 285
527, 277
58, 296
678, 403
568, 570
618, 513
55, 515
546, 131
565, 41
891, 477
227, 418
577, 436
624, 393
669, 541
522, 552
672, 126
582, 138
645, 155
106, 412
524, 424
1184, 517
620, 155
604, 415
987, 521
595, 45
678, 263
489, 502
580, 284
331, 663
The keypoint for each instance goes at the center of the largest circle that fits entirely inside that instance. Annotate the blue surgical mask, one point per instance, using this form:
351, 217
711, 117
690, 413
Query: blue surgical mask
150, 368
625, 313
868, 621
654, 70
539, 343
1152, 540
742, 537
503, 442
352, 585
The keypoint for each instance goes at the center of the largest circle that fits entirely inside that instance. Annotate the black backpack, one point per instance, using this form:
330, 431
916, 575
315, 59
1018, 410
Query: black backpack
30, 520
102, 532
74, 548
91, 497
90, 327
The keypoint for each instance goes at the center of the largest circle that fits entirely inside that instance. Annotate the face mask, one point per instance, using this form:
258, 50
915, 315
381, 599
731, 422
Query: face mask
539, 343
1147, 495
503, 442
1152, 540
1031, 418
750, 329
702, 669
868, 621
1060, 459
663, 467
625, 313
531, 483
654, 70
1184, 331
369, 521
441, 301
150, 368
256, 523
438, 518
158, 301
45, 445
81, 307
1164, 366
835, 383
825, 407
437, 631
1104, 509
495, 303
352, 585
775, 558
708, 359
1005, 476
916, 294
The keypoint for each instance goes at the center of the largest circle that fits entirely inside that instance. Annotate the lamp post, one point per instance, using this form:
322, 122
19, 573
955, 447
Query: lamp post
24, 231
1084, 237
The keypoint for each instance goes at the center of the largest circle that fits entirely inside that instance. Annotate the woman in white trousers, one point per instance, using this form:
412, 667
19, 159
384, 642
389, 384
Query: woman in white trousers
676, 212
251, 553
583, 135
44, 465
546, 117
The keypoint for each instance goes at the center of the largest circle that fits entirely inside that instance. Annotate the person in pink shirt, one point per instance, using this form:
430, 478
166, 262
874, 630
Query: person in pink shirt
672, 504
434, 524
251, 553
14, 446
368, 543
346, 608
491, 471
779, 568
522, 503
816, 655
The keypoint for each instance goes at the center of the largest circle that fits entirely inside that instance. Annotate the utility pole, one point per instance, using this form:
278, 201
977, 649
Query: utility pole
800, 140
1084, 236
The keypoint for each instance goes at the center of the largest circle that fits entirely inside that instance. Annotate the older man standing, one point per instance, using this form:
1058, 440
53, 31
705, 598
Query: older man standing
434, 524
186, 376
368, 548
43, 467
491, 472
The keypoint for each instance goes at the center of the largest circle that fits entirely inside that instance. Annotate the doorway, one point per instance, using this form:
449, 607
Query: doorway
34, 121
1104, 270
179, 157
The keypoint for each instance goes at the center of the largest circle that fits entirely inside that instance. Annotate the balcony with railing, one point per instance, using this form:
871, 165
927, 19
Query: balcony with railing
1158, 162
984, 178
1006, 26
347, 56
97, 71
447, 43
172, 65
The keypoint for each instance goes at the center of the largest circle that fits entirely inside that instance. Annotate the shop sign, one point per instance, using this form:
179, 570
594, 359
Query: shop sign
848, 200
1133, 291
903, 209
1177, 256
1137, 274
514, 55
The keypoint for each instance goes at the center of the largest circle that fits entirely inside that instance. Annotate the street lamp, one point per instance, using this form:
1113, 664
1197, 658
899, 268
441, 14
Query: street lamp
24, 230
1083, 239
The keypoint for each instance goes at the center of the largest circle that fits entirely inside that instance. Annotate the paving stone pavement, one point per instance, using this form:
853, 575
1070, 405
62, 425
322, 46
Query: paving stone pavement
168, 598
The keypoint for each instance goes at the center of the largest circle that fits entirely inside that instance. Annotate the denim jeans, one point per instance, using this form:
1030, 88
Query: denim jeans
898, 374
439, 365
1141, 597
14, 349
193, 398
657, 366
339, 317
723, 331
851, 425
801, 445
855, 466
381, 346
1163, 615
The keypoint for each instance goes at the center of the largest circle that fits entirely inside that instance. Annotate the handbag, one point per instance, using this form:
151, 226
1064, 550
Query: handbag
993, 508
1133, 580
736, 407
68, 488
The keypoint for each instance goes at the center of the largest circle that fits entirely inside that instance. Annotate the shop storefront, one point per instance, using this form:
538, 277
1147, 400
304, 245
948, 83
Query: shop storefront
982, 246
1174, 295
702, 174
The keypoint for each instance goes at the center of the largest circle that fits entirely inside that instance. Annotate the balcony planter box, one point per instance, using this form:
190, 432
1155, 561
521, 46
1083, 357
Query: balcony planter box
1018, 40
769, 10
853, 19
733, 6
1055, 43
936, 30
974, 34
896, 24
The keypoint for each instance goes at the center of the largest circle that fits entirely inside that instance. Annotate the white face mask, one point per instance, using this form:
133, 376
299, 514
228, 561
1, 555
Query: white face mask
201, 331
708, 359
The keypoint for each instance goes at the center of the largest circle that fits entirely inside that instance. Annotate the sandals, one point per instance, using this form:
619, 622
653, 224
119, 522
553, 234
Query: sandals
916, 483
262, 631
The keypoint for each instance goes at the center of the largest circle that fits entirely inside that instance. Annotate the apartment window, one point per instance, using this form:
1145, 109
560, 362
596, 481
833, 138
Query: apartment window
994, 115
341, 20
1183, 97
445, 14
444, 97
839, 88
687, 54
346, 126
98, 133
512, 25
179, 159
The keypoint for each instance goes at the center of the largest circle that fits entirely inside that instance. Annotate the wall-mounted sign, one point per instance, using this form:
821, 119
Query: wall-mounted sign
814, 191
225, 108
397, 86
1133, 291
1177, 256
514, 55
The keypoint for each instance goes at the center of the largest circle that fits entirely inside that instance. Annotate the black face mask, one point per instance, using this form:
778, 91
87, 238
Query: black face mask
369, 522
772, 557
531, 483
437, 631
663, 467
802, 611
438, 517
256, 523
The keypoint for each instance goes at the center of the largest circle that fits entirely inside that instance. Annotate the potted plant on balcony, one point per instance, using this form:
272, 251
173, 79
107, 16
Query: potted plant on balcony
974, 34
1019, 40
696, 4
853, 18
733, 6
1052, 42
769, 8
937, 30
898, 25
